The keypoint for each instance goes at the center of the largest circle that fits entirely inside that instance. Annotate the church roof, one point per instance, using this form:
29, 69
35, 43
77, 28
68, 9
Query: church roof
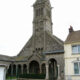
5, 58
73, 37
20, 58
12, 59
53, 52
59, 40
55, 43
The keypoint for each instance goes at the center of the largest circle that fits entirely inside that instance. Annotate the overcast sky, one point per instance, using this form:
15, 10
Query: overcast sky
16, 18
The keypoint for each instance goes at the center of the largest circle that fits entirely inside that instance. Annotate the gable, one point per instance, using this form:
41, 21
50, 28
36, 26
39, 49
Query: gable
27, 49
53, 43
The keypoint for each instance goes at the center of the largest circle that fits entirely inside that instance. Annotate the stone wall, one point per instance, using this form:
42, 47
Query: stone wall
59, 57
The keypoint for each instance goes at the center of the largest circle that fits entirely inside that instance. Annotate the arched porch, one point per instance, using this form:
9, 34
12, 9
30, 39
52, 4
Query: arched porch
53, 70
34, 67
50, 68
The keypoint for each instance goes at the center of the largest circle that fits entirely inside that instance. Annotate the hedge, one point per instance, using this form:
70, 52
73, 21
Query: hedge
32, 76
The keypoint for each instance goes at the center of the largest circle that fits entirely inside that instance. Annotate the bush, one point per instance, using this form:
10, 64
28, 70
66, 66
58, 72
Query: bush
10, 77
32, 76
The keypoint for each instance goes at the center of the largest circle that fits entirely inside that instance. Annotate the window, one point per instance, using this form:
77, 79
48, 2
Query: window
77, 68
76, 49
49, 13
39, 12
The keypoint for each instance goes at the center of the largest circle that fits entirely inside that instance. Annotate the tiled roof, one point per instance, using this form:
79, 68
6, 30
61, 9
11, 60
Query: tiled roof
73, 37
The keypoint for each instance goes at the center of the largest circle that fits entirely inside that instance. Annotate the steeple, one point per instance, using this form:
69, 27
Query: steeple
42, 16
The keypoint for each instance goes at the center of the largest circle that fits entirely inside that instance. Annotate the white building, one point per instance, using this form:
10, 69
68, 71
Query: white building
72, 55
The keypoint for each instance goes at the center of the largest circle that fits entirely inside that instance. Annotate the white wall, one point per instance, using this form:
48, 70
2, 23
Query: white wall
69, 59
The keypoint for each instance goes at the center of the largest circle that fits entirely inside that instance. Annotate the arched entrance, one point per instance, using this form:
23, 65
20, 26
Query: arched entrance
19, 69
24, 69
14, 70
34, 67
9, 71
53, 70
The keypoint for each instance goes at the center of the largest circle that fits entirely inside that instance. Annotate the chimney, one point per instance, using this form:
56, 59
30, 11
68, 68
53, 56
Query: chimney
71, 29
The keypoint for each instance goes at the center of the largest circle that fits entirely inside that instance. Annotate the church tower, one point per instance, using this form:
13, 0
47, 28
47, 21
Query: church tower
42, 16
42, 22
43, 53
42, 39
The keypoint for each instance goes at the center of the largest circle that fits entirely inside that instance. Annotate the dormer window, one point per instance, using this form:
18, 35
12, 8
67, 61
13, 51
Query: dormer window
75, 49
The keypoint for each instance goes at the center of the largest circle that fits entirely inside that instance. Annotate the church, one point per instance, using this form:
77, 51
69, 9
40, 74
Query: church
44, 52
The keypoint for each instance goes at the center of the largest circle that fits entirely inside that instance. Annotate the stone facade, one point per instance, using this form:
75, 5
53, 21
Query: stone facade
44, 52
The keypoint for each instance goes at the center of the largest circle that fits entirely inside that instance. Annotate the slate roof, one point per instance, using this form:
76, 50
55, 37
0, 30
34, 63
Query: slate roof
59, 40
53, 52
59, 43
73, 37
5, 58
20, 59
12, 59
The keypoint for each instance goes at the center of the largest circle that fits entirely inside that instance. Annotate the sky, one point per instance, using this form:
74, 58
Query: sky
16, 18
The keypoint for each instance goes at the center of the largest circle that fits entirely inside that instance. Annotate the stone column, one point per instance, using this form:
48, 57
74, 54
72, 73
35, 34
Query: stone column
47, 72
55, 69
40, 69
5, 71
27, 69
21, 69
11, 69
16, 70
58, 72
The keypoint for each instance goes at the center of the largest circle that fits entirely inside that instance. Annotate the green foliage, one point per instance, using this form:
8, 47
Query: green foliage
32, 76
29, 76
11, 77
